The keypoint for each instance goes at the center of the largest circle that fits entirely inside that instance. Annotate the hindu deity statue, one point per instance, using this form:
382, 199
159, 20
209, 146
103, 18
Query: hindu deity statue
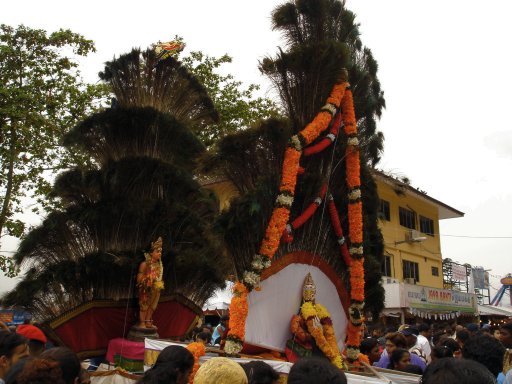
150, 283
312, 330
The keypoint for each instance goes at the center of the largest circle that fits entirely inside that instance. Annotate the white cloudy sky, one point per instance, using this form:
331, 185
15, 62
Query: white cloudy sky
444, 66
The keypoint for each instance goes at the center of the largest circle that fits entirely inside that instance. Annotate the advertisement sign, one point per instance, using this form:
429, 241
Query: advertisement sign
479, 278
6, 317
420, 297
458, 272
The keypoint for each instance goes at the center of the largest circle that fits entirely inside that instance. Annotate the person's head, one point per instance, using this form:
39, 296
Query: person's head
68, 362
453, 346
220, 370
36, 338
424, 330
203, 337
486, 350
173, 366
259, 372
156, 249
457, 371
458, 328
462, 337
472, 328
486, 328
13, 347
395, 340
41, 371
377, 331
314, 370
506, 334
370, 347
309, 289
399, 359
440, 352
410, 334
224, 320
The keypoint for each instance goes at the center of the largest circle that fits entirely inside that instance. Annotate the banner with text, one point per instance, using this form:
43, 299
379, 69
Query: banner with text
428, 298
459, 272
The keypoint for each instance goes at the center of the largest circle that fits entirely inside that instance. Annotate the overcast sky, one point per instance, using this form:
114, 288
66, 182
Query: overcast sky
444, 67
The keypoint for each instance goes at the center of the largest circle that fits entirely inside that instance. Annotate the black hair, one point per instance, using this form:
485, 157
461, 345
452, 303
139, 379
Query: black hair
463, 335
12, 375
456, 371
367, 345
206, 336
451, 344
315, 370
395, 357
36, 347
68, 361
423, 327
507, 326
486, 350
413, 368
259, 372
172, 360
9, 342
441, 352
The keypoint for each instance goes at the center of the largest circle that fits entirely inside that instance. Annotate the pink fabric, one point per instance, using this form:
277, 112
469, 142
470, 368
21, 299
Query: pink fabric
129, 349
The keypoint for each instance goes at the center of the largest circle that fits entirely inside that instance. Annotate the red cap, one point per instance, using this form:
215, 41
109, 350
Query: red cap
31, 332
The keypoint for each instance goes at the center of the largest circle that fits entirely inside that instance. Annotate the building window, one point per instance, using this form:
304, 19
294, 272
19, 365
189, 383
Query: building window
386, 266
435, 271
407, 218
384, 210
426, 226
411, 270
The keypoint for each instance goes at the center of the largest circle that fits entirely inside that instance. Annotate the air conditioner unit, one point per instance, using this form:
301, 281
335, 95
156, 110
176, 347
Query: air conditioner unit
414, 236
410, 280
390, 280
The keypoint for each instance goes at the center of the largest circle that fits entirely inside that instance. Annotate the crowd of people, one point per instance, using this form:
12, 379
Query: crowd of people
434, 352
464, 354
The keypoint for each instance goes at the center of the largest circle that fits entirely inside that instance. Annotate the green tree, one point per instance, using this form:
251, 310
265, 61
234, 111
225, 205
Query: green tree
41, 97
238, 108
140, 185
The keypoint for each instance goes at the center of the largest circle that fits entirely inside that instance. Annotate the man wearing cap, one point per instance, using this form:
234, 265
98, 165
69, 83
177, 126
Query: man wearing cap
36, 338
411, 335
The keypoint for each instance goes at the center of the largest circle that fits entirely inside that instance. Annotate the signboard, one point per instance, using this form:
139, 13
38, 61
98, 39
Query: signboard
458, 272
479, 278
420, 297
6, 317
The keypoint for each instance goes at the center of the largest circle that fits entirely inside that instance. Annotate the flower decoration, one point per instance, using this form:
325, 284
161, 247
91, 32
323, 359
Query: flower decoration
197, 349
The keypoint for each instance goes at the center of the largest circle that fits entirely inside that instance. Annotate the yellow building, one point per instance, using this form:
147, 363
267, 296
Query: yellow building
410, 227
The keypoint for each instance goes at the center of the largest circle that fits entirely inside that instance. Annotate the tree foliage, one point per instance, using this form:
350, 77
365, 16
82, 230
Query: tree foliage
41, 97
238, 108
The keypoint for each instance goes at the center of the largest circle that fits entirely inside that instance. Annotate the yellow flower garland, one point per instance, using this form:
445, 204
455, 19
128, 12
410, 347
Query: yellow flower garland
323, 333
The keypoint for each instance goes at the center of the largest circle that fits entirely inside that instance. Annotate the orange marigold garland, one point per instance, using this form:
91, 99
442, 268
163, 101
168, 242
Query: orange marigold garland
197, 349
281, 212
238, 313
355, 225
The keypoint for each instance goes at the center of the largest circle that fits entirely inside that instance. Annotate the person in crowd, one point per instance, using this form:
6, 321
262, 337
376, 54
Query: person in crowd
84, 376
472, 328
458, 328
411, 368
218, 332
441, 352
315, 370
454, 347
457, 371
204, 337
462, 337
68, 361
506, 334
370, 348
36, 338
13, 347
259, 372
423, 339
487, 351
393, 341
399, 359
173, 366
411, 335
220, 370
486, 328
41, 371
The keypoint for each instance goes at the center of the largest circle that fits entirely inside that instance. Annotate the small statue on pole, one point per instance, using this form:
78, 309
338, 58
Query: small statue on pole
150, 283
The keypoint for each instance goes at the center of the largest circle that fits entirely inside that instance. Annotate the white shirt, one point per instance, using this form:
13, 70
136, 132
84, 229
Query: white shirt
423, 344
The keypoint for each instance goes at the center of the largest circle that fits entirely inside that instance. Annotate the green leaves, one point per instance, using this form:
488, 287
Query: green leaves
41, 97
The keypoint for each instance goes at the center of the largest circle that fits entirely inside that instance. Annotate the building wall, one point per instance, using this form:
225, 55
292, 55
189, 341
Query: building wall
427, 253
